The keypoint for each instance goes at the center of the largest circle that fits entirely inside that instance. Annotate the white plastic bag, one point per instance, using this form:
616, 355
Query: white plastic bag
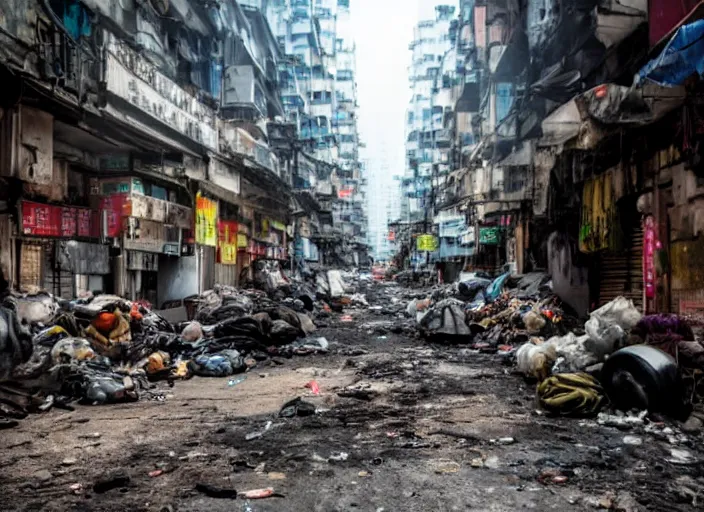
608, 324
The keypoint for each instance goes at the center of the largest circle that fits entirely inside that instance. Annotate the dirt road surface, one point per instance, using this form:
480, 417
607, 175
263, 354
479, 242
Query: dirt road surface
434, 428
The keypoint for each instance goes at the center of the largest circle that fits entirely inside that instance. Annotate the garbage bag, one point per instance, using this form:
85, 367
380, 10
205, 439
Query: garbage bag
496, 287
573, 353
644, 378
534, 322
287, 315
192, 332
221, 364
72, 349
50, 336
571, 394
15, 343
297, 407
446, 320
283, 333
306, 294
469, 289
536, 360
245, 326
307, 325
33, 309
109, 388
607, 325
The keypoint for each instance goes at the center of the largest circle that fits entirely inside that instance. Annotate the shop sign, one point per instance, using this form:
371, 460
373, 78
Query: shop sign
649, 257
227, 242
132, 78
206, 221
489, 236
57, 221
391, 236
427, 243
113, 209
275, 224
242, 240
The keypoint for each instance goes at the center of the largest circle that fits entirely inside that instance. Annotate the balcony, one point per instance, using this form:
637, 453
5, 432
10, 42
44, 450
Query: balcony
301, 27
238, 141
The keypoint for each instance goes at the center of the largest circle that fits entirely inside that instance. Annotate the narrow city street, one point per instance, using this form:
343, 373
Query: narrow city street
399, 424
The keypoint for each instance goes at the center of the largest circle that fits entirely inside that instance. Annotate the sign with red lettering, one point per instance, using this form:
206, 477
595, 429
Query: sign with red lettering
114, 207
40, 219
227, 242
649, 257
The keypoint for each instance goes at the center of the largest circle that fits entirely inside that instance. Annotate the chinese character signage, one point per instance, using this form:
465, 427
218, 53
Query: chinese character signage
649, 257
427, 243
56, 221
227, 242
206, 221
489, 236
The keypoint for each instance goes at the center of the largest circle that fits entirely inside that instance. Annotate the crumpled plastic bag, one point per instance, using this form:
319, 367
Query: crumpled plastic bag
221, 364
607, 326
535, 360
446, 319
192, 332
72, 349
39, 308
534, 322
282, 332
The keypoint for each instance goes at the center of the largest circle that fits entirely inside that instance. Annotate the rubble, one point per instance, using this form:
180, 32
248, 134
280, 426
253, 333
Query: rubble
105, 349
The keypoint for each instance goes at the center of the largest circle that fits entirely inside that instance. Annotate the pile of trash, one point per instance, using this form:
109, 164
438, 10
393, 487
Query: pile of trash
615, 357
106, 349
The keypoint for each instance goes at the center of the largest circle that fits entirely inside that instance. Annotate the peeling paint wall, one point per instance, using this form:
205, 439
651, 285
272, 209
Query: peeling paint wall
178, 278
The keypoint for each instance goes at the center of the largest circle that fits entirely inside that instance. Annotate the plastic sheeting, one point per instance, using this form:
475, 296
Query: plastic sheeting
682, 57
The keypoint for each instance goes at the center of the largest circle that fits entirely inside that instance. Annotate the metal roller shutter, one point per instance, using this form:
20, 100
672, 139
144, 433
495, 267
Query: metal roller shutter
621, 274
226, 274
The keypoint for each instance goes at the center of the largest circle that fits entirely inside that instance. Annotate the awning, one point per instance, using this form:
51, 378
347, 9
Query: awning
682, 57
615, 104
562, 125
133, 124
521, 155
219, 193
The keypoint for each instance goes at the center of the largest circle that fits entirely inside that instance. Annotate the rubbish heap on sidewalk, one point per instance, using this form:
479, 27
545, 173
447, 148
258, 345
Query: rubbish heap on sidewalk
105, 349
615, 357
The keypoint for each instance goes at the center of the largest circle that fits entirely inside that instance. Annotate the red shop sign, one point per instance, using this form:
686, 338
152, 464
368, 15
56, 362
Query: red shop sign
649, 257
56, 221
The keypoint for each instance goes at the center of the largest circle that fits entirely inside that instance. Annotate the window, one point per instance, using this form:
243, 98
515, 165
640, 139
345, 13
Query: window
411, 117
426, 114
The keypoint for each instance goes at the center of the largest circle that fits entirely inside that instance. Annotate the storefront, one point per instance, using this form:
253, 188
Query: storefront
150, 225
59, 250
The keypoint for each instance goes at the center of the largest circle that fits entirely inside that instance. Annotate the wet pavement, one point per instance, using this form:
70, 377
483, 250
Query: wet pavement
418, 427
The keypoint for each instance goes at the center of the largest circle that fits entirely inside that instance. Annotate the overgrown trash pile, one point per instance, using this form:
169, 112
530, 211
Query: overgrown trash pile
616, 358
106, 349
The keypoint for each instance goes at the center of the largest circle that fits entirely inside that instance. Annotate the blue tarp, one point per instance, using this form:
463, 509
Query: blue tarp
682, 57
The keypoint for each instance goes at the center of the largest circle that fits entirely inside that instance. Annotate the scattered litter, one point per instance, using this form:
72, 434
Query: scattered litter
632, 440
313, 386
339, 457
297, 407
257, 494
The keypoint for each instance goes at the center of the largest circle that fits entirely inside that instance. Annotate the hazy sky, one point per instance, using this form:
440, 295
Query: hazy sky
382, 30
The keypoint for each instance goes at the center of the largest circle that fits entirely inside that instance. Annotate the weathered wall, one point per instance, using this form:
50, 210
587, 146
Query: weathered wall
177, 278
569, 281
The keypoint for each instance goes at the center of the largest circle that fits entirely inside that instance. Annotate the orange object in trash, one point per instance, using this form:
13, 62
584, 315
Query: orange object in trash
158, 362
134, 312
105, 322
258, 494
